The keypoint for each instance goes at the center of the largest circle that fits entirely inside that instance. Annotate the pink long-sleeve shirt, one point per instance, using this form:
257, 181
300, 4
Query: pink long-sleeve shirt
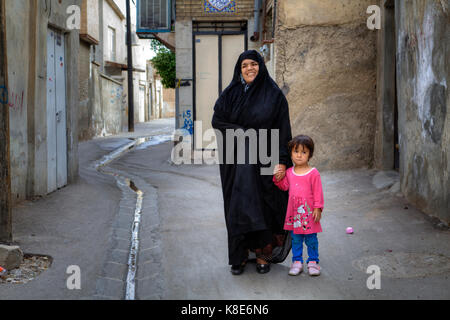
305, 195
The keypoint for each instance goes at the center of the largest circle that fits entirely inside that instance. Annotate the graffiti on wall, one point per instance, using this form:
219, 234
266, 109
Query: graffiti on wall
3, 95
116, 94
187, 122
14, 99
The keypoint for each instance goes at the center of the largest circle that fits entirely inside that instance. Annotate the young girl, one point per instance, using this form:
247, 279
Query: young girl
305, 204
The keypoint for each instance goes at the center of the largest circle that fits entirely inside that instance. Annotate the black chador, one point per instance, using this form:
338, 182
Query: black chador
254, 207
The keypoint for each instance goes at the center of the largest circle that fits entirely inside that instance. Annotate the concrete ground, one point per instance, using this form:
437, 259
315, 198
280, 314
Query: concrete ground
183, 245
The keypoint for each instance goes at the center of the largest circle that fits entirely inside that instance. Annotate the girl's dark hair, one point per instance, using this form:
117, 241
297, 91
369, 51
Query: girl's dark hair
302, 140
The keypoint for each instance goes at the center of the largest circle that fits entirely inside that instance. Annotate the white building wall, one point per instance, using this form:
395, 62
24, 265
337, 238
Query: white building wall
111, 19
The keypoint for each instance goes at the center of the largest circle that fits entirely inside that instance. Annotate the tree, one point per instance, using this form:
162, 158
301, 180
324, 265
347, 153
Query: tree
164, 63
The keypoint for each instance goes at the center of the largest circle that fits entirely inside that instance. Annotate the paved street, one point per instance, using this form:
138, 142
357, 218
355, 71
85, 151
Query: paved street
182, 235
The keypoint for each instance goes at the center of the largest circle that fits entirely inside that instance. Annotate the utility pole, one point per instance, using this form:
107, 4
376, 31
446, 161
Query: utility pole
130, 72
5, 169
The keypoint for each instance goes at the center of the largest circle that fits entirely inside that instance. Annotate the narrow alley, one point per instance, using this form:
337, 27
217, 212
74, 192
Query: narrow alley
95, 96
183, 251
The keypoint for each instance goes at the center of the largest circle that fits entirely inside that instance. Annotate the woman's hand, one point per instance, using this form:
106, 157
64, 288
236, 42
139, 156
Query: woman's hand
279, 172
317, 214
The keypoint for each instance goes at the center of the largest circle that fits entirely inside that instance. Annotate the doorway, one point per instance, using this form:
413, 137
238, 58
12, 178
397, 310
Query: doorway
390, 12
387, 146
142, 106
151, 106
56, 111
216, 46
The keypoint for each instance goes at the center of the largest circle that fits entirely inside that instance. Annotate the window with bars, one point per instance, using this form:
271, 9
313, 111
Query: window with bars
154, 15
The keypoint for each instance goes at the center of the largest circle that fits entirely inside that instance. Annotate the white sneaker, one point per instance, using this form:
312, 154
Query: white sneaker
296, 268
313, 268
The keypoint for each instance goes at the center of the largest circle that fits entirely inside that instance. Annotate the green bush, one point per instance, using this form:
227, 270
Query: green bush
165, 64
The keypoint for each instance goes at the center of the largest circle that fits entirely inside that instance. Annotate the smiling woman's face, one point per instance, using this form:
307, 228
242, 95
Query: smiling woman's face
249, 69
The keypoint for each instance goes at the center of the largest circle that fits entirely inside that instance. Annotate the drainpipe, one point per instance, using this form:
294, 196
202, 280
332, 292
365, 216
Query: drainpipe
264, 14
130, 71
275, 4
255, 36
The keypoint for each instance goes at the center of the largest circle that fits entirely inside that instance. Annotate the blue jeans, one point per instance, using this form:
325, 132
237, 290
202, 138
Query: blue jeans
312, 244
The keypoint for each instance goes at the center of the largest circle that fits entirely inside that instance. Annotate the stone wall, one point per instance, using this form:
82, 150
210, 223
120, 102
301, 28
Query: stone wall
27, 24
107, 116
423, 75
90, 28
18, 53
325, 60
112, 106
84, 112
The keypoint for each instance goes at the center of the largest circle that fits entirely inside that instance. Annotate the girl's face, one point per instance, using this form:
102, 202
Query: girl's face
300, 155
249, 70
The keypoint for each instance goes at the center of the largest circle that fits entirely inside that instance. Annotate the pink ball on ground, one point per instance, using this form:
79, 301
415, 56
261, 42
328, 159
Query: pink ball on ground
349, 230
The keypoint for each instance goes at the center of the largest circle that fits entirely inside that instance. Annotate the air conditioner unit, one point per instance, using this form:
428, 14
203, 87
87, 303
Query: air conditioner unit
153, 16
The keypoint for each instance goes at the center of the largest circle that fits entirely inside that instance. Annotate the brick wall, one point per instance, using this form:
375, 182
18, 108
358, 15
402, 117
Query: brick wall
195, 9
169, 103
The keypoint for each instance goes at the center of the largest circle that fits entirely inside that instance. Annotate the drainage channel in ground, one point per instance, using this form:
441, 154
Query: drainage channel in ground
122, 180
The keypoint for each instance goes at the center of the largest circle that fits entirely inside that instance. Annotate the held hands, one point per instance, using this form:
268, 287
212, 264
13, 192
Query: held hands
279, 172
317, 214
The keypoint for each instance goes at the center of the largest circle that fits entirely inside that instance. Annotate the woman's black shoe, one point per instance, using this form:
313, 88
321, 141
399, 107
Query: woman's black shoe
262, 268
238, 269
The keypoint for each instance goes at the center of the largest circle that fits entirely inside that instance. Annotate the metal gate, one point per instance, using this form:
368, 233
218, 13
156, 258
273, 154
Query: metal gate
217, 46
56, 112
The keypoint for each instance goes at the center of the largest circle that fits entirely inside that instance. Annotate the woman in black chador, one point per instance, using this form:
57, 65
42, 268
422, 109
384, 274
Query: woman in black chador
254, 207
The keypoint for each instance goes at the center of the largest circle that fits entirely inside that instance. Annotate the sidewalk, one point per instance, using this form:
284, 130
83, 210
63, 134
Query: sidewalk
183, 246
73, 225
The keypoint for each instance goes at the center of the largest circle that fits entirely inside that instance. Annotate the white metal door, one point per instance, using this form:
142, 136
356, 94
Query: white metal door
206, 82
208, 67
56, 111
232, 47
